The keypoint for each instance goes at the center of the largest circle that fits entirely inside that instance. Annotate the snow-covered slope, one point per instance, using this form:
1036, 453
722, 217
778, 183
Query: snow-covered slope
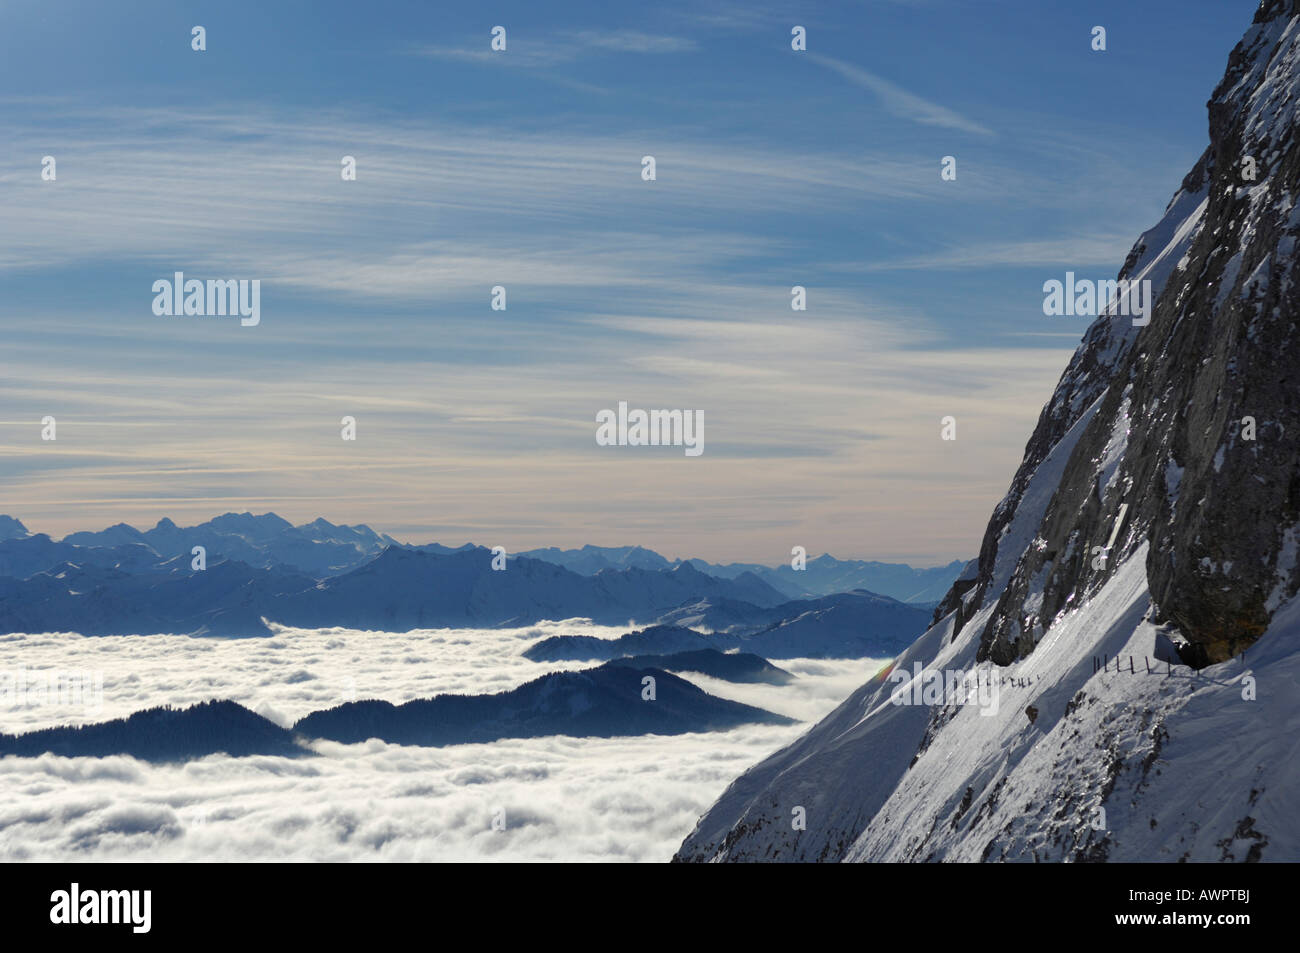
1048, 752
1162, 754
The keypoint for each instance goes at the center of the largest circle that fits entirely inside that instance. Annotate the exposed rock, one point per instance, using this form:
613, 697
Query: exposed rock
1165, 439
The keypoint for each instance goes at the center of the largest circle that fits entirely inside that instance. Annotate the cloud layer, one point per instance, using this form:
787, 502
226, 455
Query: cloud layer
630, 799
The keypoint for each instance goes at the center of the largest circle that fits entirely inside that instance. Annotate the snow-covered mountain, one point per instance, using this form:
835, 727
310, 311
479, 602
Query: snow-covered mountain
322, 549
1180, 439
404, 589
399, 590
590, 560
24, 556
826, 575
265, 541
821, 576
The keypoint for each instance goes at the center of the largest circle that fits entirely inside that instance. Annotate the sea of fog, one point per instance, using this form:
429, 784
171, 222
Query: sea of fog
626, 799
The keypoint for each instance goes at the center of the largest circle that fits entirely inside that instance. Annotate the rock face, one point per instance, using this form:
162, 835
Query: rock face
1178, 437
1189, 423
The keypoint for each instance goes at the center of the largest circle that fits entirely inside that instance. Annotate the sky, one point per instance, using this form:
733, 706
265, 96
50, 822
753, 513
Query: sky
523, 168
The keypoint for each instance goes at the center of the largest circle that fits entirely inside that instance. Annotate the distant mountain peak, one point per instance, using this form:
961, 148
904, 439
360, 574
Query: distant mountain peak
261, 520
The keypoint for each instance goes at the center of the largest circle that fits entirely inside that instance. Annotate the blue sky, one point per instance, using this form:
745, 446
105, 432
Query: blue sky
521, 168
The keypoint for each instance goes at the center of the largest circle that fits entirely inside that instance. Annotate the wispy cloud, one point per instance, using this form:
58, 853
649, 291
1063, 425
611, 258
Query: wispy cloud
147, 182
505, 443
540, 51
375, 304
634, 41
898, 100
1107, 250
748, 16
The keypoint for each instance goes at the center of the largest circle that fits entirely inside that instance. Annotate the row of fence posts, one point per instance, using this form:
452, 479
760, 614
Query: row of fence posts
1103, 665
1023, 682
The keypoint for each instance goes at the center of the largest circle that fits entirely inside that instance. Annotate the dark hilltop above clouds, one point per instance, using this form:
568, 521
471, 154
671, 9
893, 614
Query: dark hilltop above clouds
606, 702
602, 702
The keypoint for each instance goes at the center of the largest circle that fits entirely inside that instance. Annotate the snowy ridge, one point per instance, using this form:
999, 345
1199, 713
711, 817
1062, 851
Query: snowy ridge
1161, 753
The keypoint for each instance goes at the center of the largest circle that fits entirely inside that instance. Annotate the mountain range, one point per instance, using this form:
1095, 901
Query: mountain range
821, 576
323, 549
123, 581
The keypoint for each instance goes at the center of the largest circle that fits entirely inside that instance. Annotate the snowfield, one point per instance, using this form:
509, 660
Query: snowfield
1161, 754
